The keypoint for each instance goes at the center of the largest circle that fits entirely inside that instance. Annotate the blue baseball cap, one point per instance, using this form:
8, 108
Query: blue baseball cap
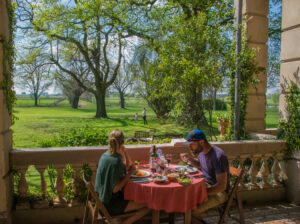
196, 135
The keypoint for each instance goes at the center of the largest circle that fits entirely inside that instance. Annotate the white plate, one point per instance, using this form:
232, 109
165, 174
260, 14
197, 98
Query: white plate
161, 180
147, 174
188, 169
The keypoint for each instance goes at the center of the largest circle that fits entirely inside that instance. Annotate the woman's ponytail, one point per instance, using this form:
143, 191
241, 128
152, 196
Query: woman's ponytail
115, 140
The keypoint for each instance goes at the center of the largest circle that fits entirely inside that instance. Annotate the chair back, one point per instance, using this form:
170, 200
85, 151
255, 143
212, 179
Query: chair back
141, 134
233, 193
94, 198
239, 175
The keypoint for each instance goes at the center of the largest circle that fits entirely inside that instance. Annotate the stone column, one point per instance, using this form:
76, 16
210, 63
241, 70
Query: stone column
5, 133
290, 51
255, 12
290, 71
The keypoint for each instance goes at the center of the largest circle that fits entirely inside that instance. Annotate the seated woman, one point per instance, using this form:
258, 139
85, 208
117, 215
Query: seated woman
111, 177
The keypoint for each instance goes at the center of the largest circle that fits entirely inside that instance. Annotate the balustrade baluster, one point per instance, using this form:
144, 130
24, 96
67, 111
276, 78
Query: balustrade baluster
23, 186
241, 166
43, 203
276, 171
23, 189
59, 188
76, 185
230, 159
265, 171
253, 171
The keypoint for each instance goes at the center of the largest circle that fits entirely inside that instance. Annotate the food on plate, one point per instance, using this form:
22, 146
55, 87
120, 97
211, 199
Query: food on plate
184, 169
136, 162
140, 173
181, 163
172, 176
160, 179
184, 180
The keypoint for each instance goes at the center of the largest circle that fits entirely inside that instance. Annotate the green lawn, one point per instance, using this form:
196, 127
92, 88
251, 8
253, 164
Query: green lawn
39, 122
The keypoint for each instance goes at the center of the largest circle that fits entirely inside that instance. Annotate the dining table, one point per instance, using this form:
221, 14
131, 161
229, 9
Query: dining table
169, 196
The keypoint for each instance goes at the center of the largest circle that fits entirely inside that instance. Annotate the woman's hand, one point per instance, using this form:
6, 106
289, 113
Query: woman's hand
131, 169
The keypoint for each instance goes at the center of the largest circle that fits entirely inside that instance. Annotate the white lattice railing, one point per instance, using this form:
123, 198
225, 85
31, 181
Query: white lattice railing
261, 159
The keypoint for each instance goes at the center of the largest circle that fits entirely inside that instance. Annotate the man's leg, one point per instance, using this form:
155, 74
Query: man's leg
212, 201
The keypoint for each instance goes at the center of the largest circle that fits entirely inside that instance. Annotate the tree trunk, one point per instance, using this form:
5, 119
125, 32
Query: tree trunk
35, 100
101, 108
215, 99
122, 99
75, 99
200, 118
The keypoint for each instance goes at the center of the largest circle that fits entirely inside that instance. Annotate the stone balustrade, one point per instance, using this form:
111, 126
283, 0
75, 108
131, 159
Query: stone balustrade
261, 159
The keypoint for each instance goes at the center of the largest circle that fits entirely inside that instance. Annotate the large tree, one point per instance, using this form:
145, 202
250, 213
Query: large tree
97, 29
70, 88
149, 83
34, 73
72, 84
192, 61
124, 81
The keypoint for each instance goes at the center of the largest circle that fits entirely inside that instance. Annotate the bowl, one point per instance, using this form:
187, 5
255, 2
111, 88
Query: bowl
172, 176
184, 181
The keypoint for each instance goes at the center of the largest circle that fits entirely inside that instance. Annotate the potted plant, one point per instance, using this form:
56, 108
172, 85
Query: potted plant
223, 120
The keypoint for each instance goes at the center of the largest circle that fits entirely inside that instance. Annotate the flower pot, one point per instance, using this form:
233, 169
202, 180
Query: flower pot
223, 126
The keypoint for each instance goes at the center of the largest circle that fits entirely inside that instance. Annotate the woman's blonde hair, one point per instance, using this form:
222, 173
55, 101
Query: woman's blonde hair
115, 140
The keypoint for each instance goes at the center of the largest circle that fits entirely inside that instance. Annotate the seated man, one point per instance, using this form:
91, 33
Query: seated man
214, 164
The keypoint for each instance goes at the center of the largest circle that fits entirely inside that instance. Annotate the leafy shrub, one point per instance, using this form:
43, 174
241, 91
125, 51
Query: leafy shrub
76, 137
220, 104
290, 129
161, 141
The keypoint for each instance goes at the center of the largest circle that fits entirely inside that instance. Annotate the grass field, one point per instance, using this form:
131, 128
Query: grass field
38, 122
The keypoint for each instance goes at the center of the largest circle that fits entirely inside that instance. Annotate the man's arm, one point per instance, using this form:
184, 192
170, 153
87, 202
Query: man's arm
220, 186
194, 161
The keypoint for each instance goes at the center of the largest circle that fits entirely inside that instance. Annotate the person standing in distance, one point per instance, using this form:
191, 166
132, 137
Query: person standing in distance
144, 116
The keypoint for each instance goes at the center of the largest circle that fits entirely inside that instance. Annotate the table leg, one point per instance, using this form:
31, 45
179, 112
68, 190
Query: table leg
155, 216
188, 216
171, 218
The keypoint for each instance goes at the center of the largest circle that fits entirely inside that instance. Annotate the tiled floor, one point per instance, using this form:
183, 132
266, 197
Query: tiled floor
275, 213
282, 213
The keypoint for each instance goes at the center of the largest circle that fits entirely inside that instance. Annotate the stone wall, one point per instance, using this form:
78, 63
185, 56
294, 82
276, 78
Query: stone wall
290, 51
5, 133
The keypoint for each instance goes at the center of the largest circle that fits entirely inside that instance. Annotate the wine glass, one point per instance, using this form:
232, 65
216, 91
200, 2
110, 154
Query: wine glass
169, 159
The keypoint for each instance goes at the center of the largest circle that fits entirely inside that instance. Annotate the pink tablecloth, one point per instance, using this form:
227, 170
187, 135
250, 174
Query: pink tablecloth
171, 197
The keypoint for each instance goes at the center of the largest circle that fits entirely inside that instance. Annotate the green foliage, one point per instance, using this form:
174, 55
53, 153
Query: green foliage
222, 116
76, 137
290, 129
220, 104
275, 98
8, 60
160, 141
249, 67
191, 57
